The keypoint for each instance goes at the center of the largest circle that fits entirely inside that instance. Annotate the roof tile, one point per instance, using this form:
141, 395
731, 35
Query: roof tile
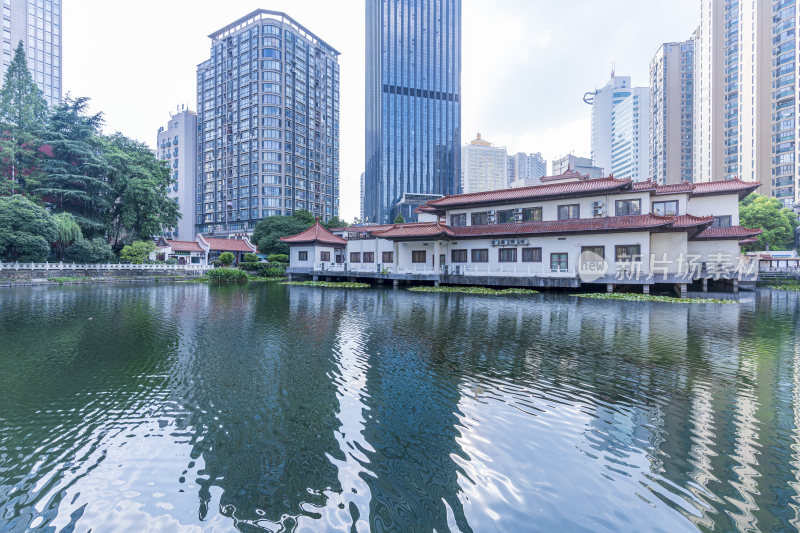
316, 233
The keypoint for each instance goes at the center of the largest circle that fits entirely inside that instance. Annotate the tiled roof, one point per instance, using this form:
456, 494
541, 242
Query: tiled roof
535, 192
229, 245
184, 246
414, 230
749, 240
674, 188
316, 233
690, 221
725, 186
731, 232
568, 174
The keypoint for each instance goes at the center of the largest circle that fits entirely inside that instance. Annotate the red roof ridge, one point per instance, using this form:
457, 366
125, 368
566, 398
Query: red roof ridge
316, 233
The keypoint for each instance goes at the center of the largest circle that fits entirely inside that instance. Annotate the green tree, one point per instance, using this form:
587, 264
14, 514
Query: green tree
76, 177
23, 111
399, 219
26, 230
336, 222
96, 250
67, 232
268, 231
138, 252
250, 258
140, 185
226, 259
768, 214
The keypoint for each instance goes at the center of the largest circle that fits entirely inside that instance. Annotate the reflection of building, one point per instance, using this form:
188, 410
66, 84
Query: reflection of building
413, 102
484, 167
38, 26
177, 145
268, 121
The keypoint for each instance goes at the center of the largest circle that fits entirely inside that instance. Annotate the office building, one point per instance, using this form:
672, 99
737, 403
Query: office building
572, 163
484, 167
525, 170
672, 113
603, 101
177, 145
630, 136
746, 95
37, 24
268, 124
413, 102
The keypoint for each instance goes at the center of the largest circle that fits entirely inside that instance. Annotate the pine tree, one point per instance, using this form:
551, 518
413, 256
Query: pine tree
23, 112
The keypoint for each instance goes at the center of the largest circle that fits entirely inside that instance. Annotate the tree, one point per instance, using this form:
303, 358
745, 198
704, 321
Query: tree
140, 184
76, 177
226, 259
336, 222
768, 214
67, 232
399, 219
26, 230
268, 231
138, 252
23, 111
96, 250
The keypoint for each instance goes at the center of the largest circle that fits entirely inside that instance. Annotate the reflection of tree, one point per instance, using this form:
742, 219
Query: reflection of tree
263, 403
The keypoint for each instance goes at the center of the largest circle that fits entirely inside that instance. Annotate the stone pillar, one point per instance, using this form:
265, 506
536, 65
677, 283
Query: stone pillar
435, 283
395, 283
705, 284
610, 287
735, 286
645, 289
315, 277
682, 290
327, 278
290, 277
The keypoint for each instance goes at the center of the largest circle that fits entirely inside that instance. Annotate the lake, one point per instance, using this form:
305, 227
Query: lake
189, 407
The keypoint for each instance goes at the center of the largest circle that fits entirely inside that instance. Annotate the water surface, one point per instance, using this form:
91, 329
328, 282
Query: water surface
187, 407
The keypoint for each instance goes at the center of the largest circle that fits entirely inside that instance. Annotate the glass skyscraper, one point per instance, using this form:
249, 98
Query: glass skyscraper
268, 125
413, 103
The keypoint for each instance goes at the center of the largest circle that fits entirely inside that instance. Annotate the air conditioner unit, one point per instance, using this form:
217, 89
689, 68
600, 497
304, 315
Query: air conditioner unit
503, 242
512, 241
490, 219
598, 203
518, 210
523, 241
494, 243
490, 212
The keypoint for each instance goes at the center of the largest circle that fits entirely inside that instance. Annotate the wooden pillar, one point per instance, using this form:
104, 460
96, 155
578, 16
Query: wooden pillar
610, 287
705, 284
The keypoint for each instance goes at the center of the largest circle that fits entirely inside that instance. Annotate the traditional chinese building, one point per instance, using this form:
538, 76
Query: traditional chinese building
638, 232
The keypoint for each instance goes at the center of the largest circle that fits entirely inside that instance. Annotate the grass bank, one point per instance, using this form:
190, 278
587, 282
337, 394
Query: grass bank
791, 286
653, 298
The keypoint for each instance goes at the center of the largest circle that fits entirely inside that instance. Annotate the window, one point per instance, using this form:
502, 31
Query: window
458, 256
598, 250
302, 256
418, 256
506, 216
722, 222
565, 212
458, 220
666, 209
355, 257
559, 261
387, 257
507, 255
628, 207
480, 255
324, 256
628, 252
480, 219
369, 257
531, 255
531, 214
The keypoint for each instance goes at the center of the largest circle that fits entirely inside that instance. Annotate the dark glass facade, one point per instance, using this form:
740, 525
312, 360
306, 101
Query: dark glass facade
413, 102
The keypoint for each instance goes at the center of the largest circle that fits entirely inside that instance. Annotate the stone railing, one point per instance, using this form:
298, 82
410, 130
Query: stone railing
102, 266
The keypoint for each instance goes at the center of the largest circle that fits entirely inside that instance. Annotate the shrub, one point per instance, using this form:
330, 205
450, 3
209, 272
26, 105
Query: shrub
138, 252
226, 258
227, 275
278, 258
171, 261
96, 250
249, 266
271, 270
250, 258
216, 263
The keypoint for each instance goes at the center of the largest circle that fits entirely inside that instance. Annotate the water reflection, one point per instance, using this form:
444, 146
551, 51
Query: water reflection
277, 408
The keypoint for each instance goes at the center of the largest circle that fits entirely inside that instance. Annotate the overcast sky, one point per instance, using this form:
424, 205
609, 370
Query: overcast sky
525, 63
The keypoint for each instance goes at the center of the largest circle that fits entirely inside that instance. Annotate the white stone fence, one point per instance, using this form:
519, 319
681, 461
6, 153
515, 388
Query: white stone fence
102, 266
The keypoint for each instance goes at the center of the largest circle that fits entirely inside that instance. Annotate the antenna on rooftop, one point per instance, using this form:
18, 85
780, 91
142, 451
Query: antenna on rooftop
613, 68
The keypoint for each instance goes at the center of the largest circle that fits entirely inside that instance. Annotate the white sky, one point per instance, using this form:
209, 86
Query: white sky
525, 63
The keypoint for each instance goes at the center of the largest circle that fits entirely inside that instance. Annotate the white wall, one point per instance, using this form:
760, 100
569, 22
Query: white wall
708, 250
670, 248
717, 205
